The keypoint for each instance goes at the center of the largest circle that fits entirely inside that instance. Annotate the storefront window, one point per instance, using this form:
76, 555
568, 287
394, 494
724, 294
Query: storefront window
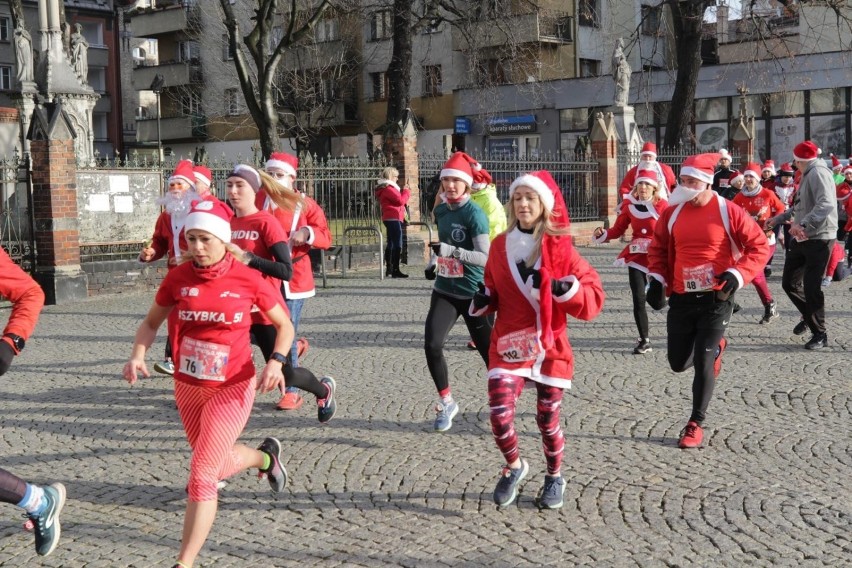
829, 133
828, 100
574, 119
787, 104
711, 137
786, 133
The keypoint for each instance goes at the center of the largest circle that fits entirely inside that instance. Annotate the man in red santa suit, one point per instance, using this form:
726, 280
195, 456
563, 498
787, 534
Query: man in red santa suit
666, 180
168, 239
306, 228
704, 249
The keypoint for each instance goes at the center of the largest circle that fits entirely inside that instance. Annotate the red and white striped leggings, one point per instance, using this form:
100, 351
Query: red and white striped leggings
213, 419
503, 393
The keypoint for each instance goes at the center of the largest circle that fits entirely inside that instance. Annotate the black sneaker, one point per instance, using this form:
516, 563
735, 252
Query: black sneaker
818, 341
46, 525
770, 312
767, 272
644, 346
275, 474
800, 328
507, 486
326, 407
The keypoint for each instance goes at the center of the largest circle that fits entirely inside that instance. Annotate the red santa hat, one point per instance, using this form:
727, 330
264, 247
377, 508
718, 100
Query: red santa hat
183, 172
647, 175
768, 166
848, 168
211, 216
835, 163
786, 169
724, 155
461, 166
538, 182
752, 170
202, 174
481, 178
737, 178
649, 149
806, 151
702, 166
288, 163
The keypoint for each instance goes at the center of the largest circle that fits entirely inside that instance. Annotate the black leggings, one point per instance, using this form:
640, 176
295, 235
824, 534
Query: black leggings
12, 487
444, 311
299, 377
637, 289
696, 324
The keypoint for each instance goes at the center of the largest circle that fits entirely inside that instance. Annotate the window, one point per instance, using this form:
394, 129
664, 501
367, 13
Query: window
381, 26
97, 79
188, 51
711, 109
227, 54
574, 119
380, 86
493, 71
432, 81
5, 28
142, 113
588, 13
190, 104
100, 126
139, 53
326, 31
5, 78
232, 102
651, 20
828, 100
787, 104
93, 32
590, 67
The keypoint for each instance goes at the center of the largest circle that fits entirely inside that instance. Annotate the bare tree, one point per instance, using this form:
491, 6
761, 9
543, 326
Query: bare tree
257, 58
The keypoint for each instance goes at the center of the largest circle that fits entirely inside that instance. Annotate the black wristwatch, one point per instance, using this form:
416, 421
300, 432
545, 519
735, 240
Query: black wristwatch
276, 356
17, 341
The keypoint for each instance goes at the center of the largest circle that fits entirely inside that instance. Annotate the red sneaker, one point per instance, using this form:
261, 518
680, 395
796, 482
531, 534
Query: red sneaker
691, 436
302, 346
717, 364
471, 345
290, 401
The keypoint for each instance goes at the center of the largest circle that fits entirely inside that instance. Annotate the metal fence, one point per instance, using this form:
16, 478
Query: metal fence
577, 179
16, 220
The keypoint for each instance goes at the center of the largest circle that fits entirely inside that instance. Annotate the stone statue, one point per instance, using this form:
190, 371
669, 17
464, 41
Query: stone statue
79, 53
24, 54
621, 74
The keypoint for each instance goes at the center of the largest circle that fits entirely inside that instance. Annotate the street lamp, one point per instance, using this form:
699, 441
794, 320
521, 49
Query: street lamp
157, 87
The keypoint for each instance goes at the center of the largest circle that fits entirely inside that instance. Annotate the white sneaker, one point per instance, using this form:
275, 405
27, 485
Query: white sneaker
826, 282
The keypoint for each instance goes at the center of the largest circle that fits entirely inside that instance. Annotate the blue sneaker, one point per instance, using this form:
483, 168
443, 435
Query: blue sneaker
165, 367
326, 407
550, 495
446, 413
46, 524
507, 486
276, 474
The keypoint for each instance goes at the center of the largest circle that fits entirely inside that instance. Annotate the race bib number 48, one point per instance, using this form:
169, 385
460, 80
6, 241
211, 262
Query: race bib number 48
698, 278
203, 360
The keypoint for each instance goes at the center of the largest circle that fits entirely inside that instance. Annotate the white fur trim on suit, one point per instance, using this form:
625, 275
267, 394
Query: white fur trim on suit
738, 276
572, 291
464, 176
537, 185
601, 239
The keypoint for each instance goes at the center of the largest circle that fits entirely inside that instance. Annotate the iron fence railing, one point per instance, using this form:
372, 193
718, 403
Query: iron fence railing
16, 231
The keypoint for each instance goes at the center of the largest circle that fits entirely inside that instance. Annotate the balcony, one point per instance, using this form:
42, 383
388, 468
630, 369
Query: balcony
174, 75
174, 128
163, 20
541, 27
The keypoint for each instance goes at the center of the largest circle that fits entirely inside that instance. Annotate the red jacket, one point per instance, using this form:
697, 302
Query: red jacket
745, 251
519, 314
26, 296
668, 181
641, 223
163, 242
392, 200
847, 206
311, 216
761, 207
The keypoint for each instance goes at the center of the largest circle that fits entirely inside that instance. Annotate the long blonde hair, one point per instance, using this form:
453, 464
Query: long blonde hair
655, 195
547, 225
283, 197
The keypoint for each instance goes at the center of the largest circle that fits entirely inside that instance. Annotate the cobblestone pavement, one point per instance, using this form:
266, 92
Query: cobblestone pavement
376, 486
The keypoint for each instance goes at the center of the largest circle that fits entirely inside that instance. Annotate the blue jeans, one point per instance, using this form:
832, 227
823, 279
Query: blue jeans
295, 307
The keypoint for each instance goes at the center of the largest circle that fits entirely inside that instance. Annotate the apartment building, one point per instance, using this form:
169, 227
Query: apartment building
99, 27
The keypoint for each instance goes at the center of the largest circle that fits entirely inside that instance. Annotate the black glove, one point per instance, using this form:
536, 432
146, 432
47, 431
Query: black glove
481, 299
727, 285
536, 278
558, 287
656, 295
6, 356
430, 272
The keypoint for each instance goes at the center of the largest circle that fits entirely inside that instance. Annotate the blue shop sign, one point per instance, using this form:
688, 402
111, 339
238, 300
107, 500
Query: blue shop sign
511, 124
462, 125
